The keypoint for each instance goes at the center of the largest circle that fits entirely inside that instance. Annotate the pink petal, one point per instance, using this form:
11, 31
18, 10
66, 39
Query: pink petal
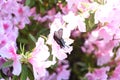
16, 67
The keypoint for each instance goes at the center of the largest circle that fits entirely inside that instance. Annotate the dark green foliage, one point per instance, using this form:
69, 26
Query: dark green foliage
42, 6
7, 64
26, 72
90, 25
80, 62
29, 35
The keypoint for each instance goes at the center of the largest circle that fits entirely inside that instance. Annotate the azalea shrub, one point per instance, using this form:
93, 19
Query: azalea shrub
59, 40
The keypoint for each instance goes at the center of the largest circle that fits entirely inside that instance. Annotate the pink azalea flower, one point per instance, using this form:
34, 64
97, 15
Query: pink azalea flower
112, 9
3, 41
61, 72
22, 16
39, 59
97, 42
64, 9
13, 34
72, 3
74, 21
106, 34
103, 58
72, 6
57, 51
75, 33
49, 17
12, 11
16, 13
104, 54
33, 11
98, 74
12, 16
64, 74
89, 43
116, 73
77, 5
90, 76
9, 52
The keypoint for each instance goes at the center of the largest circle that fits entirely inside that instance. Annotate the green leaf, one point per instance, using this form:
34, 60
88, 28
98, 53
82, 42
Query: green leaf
27, 3
81, 64
0, 75
30, 74
30, 3
90, 23
42, 9
21, 40
24, 72
7, 64
41, 1
15, 78
83, 78
32, 38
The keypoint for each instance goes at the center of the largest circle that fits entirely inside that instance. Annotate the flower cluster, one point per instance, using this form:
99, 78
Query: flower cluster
13, 16
60, 73
73, 19
105, 38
